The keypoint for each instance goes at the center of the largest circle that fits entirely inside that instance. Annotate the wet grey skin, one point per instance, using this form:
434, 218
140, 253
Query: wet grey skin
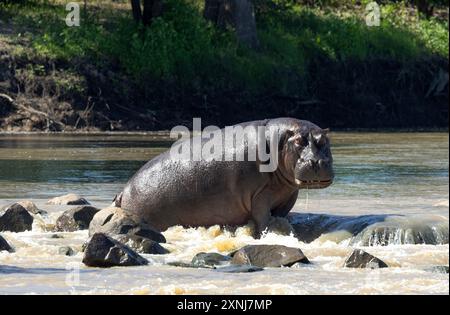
167, 192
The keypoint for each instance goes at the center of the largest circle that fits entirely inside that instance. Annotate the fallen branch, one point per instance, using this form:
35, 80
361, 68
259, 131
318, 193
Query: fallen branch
30, 109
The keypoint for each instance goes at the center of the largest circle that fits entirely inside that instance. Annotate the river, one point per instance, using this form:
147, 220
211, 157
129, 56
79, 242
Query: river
376, 173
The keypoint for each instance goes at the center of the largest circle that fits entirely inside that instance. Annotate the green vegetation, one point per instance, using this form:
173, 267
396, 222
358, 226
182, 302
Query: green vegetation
182, 50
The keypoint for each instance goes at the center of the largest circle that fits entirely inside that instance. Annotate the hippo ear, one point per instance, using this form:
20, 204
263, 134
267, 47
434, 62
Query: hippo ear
284, 138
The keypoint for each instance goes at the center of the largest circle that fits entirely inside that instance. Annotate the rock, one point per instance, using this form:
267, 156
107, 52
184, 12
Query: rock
15, 218
56, 236
69, 199
370, 230
431, 230
239, 269
187, 265
66, 251
104, 251
209, 259
438, 269
268, 256
114, 221
76, 219
141, 244
4, 246
32, 208
362, 259
308, 226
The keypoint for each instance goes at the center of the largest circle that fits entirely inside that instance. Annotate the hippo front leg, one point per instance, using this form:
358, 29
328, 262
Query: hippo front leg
261, 215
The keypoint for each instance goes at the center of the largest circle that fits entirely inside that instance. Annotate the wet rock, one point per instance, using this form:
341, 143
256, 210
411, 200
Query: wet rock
76, 219
239, 269
15, 218
309, 227
56, 236
66, 251
280, 226
438, 269
104, 251
187, 265
210, 259
362, 259
114, 221
32, 208
370, 230
268, 256
4, 246
141, 244
404, 230
69, 199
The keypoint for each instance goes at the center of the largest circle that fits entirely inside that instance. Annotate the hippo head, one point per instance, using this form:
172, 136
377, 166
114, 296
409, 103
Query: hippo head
308, 156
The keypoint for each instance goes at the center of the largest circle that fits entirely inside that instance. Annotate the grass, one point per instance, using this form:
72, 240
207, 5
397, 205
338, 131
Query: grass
182, 64
181, 45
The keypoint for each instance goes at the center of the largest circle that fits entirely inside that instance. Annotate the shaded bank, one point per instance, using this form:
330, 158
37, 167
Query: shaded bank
323, 65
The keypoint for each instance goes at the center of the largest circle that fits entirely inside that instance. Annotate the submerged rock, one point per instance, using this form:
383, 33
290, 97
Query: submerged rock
370, 230
56, 236
104, 251
69, 199
362, 259
141, 244
76, 219
210, 259
268, 256
430, 230
15, 218
438, 269
32, 208
239, 269
187, 265
66, 251
114, 221
4, 246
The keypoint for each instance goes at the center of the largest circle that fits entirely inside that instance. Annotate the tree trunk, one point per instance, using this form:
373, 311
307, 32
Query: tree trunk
136, 9
239, 14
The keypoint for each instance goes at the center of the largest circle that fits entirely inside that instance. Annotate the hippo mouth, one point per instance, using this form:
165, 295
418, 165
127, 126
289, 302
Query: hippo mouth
313, 183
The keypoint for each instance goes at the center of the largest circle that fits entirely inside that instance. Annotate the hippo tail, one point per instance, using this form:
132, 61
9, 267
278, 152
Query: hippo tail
117, 201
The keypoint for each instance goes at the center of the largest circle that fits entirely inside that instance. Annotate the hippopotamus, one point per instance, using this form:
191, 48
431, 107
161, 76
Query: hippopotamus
169, 191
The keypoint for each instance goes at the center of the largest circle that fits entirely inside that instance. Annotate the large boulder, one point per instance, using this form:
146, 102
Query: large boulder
76, 219
69, 199
397, 230
268, 256
141, 244
104, 251
114, 221
371, 230
31, 207
4, 246
15, 218
362, 259
210, 259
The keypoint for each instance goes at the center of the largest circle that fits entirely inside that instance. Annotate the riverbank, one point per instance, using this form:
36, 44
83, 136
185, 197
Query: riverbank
319, 64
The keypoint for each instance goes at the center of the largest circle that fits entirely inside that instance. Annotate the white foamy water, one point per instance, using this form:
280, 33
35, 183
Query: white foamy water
375, 176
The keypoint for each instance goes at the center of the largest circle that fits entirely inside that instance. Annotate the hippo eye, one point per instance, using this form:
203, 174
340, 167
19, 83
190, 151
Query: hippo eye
321, 140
